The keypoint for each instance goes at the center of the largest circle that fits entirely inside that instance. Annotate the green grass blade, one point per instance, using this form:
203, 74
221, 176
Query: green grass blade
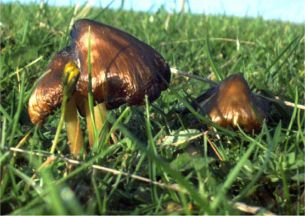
151, 144
90, 93
212, 63
18, 111
292, 44
3, 131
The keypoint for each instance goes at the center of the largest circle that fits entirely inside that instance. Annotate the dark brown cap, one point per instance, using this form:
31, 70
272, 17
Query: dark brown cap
232, 103
124, 69
49, 91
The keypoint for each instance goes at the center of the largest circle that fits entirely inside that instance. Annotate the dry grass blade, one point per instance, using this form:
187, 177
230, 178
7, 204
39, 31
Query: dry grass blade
187, 74
252, 209
51, 158
214, 149
212, 39
27, 66
24, 139
287, 103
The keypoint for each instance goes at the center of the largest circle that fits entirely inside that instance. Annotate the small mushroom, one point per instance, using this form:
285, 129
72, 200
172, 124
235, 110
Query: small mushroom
123, 68
50, 93
232, 103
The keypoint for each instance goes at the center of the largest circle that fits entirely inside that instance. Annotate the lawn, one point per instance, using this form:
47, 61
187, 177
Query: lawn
161, 163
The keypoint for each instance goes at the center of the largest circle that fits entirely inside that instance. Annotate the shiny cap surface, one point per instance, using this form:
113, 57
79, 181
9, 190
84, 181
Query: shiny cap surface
234, 104
49, 91
123, 68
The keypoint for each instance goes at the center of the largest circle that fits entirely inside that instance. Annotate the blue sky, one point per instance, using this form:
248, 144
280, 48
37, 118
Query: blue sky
286, 10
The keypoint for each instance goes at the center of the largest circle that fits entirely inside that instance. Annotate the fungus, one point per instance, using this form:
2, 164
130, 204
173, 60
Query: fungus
122, 69
232, 103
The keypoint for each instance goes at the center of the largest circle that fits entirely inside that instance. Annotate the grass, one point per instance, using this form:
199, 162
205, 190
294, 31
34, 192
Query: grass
155, 141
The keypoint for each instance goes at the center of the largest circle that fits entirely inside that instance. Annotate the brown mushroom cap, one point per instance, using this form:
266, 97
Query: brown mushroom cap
49, 91
124, 69
233, 103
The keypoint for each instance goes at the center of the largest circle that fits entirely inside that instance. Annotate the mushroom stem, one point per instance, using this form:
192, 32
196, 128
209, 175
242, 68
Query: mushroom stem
73, 128
100, 115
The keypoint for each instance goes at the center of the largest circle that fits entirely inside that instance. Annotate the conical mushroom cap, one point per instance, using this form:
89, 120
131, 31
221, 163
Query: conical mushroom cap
49, 91
234, 104
123, 68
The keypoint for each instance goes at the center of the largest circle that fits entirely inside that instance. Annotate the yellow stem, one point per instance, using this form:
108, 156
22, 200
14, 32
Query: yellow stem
74, 131
100, 115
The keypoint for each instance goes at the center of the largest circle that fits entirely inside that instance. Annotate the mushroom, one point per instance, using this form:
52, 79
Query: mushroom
123, 68
232, 103
51, 93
